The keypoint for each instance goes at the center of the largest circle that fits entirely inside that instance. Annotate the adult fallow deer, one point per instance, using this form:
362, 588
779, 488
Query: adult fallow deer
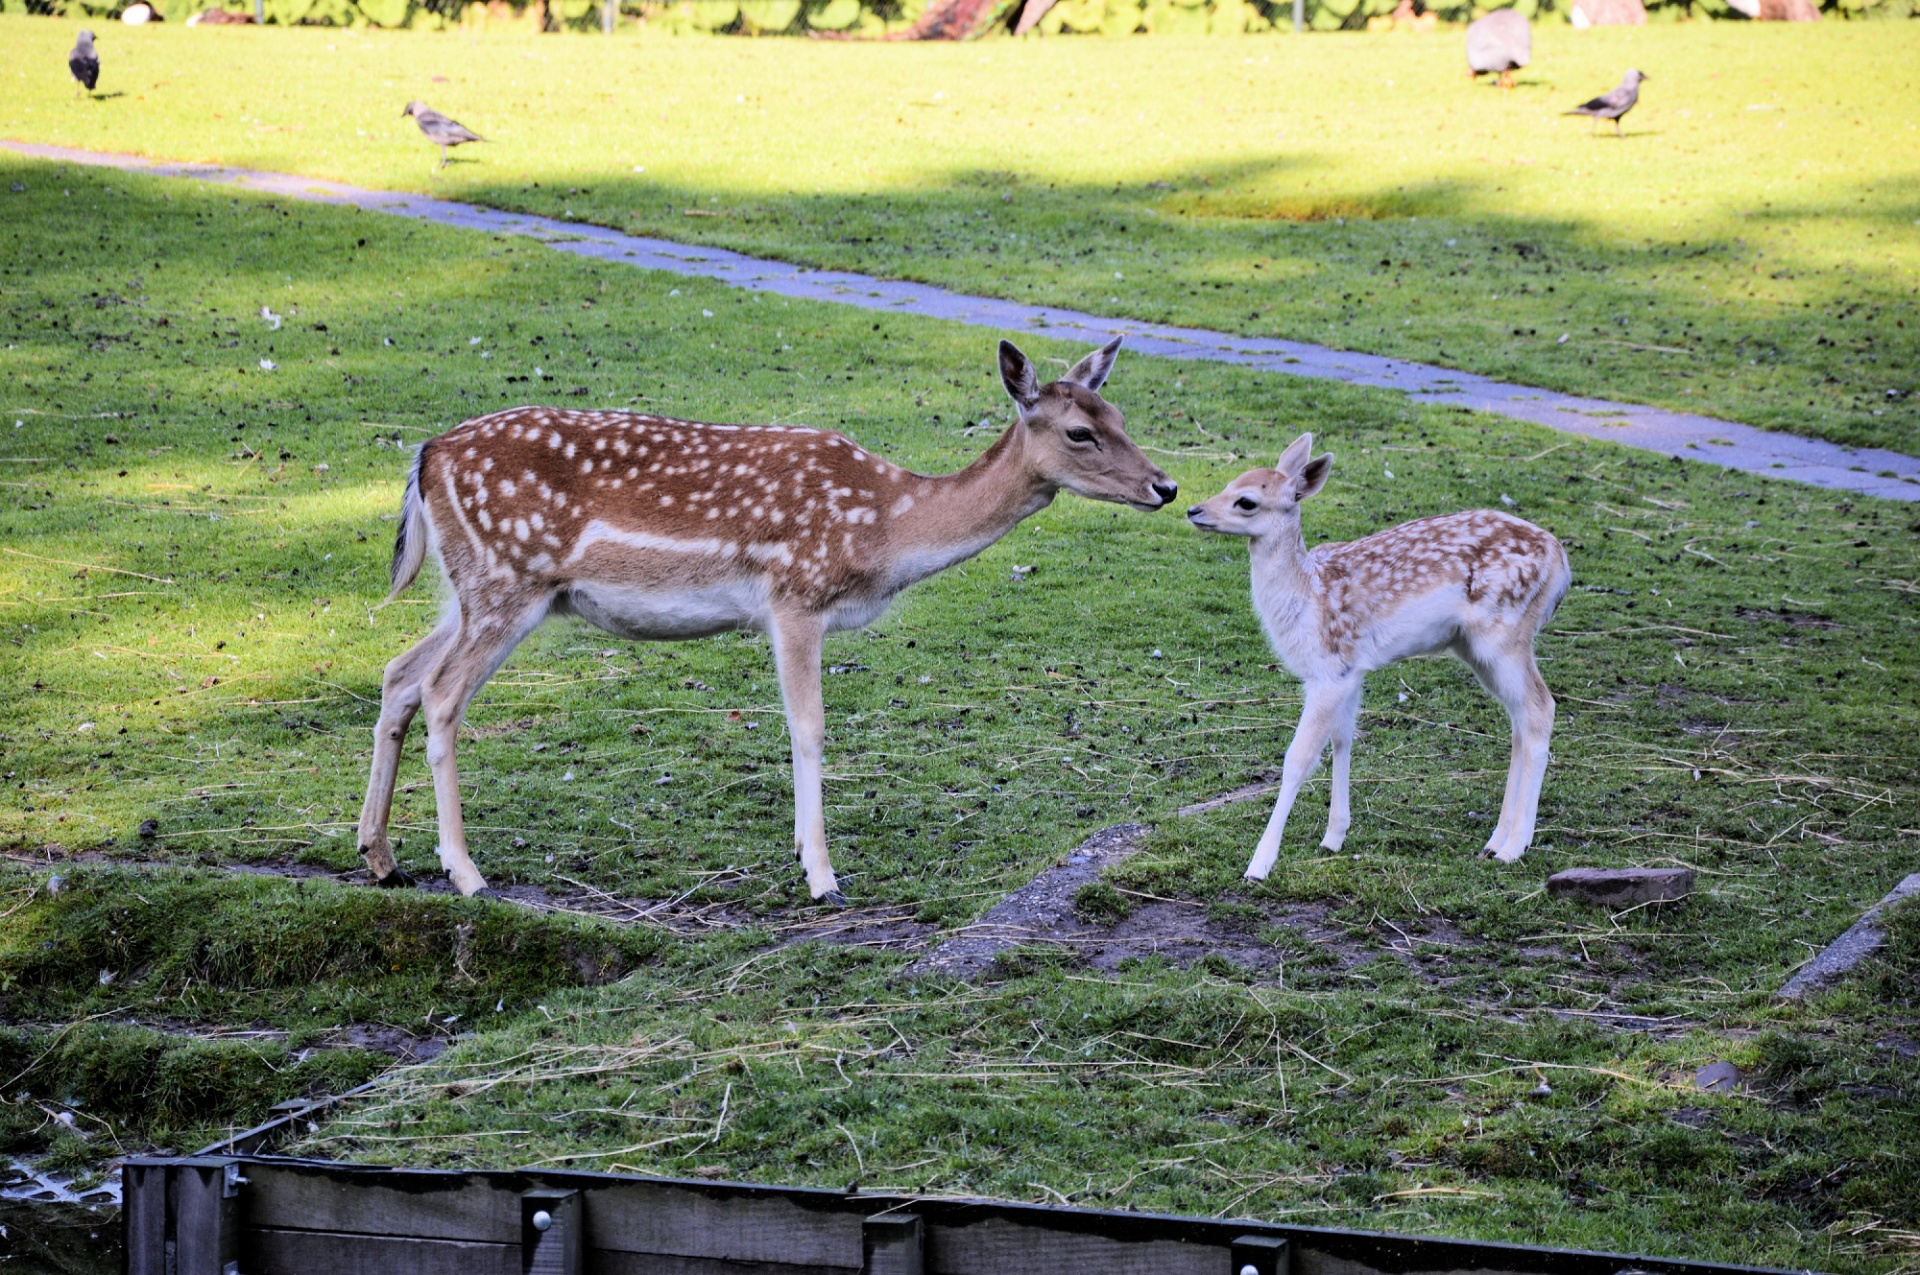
663, 529
1480, 584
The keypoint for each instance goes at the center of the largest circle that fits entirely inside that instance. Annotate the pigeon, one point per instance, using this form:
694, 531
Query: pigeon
1611, 106
1500, 43
84, 62
440, 130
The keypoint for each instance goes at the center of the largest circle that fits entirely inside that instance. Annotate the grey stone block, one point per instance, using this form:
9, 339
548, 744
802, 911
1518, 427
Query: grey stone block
1621, 887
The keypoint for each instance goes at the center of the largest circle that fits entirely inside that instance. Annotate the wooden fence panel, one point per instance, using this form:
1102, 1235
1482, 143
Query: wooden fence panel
649, 1217
996, 1246
408, 1205
276, 1252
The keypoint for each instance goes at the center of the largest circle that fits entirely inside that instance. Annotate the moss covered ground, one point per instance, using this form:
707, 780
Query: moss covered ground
193, 548
1751, 249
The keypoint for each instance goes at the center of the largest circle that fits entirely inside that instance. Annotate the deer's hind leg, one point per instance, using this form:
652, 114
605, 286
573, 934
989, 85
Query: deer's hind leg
1340, 814
399, 701
487, 635
1508, 671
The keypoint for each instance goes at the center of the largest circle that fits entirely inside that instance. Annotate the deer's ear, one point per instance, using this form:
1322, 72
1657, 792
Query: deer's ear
1312, 476
1292, 459
1016, 373
1092, 371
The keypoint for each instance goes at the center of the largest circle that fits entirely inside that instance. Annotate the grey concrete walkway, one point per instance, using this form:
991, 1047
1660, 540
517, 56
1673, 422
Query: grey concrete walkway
1701, 438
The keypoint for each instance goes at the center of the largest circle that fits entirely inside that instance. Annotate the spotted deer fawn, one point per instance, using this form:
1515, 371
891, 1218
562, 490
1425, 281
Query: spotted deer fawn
1480, 584
661, 529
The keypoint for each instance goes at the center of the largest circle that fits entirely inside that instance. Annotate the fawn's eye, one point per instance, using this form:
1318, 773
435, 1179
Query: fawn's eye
1246, 504
1080, 434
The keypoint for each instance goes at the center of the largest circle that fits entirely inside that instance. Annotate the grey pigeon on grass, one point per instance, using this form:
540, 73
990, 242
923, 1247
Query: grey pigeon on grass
1611, 106
84, 62
440, 130
1499, 44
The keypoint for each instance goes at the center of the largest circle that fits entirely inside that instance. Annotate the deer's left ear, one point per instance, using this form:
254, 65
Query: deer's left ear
1016, 373
1093, 370
1312, 476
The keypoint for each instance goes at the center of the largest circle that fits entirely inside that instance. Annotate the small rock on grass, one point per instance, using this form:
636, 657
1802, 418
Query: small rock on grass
1621, 887
1718, 1077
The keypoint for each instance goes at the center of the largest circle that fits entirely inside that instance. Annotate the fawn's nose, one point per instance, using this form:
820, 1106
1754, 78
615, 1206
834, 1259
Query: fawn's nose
1166, 491
1194, 511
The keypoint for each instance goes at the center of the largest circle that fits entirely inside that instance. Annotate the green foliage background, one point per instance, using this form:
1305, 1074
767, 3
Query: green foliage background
876, 18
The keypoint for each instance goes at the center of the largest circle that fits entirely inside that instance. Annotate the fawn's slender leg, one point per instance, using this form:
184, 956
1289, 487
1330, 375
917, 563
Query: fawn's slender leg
487, 636
399, 700
1340, 816
1508, 672
1537, 746
797, 641
1317, 717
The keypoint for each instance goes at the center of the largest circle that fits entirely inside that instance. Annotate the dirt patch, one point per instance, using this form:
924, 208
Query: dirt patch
1042, 911
1795, 619
1187, 933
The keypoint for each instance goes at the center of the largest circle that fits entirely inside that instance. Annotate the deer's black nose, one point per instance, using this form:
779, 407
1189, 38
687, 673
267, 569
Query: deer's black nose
1166, 492
1193, 512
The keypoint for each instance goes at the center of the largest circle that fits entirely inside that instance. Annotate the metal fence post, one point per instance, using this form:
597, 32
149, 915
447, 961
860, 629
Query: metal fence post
1261, 1254
893, 1244
551, 1227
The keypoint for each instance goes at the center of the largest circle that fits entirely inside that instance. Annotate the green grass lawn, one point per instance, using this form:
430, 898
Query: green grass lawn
1751, 249
193, 550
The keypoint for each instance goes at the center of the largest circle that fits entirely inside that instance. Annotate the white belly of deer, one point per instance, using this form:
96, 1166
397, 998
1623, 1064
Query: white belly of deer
670, 614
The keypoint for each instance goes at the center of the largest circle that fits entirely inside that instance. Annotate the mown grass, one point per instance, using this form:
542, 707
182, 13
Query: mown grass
1751, 250
195, 549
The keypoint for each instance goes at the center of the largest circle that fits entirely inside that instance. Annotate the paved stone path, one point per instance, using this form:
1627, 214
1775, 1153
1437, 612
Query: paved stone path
1867, 471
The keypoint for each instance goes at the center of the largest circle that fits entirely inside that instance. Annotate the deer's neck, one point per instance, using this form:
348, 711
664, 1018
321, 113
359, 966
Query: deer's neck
956, 516
1282, 572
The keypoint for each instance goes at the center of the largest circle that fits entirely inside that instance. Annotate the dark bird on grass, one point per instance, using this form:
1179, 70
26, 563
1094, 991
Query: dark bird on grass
440, 130
84, 62
1611, 106
1499, 44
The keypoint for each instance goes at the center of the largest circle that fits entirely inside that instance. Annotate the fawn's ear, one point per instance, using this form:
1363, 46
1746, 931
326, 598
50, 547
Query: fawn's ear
1093, 370
1312, 476
1292, 459
1016, 373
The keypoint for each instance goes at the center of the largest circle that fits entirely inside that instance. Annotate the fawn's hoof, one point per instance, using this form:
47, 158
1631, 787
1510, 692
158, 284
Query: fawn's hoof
398, 879
487, 892
832, 899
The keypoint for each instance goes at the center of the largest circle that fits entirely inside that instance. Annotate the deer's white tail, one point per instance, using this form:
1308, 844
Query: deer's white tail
410, 541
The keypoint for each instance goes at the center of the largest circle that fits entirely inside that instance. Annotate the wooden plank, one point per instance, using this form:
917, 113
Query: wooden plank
616, 1263
409, 1205
1311, 1262
896, 1244
725, 1223
994, 1246
550, 1233
205, 1228
269, 1251
143, 1195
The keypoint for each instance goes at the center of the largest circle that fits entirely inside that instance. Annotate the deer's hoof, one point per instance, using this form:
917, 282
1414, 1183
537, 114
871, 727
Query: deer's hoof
832, 899
487, 892
398, 879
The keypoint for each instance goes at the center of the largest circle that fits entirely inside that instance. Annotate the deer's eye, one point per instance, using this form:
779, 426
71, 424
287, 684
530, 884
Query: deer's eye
1246, 504
1080, 434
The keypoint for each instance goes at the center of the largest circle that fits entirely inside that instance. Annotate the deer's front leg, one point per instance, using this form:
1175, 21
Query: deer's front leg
797, 642
1317, 717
